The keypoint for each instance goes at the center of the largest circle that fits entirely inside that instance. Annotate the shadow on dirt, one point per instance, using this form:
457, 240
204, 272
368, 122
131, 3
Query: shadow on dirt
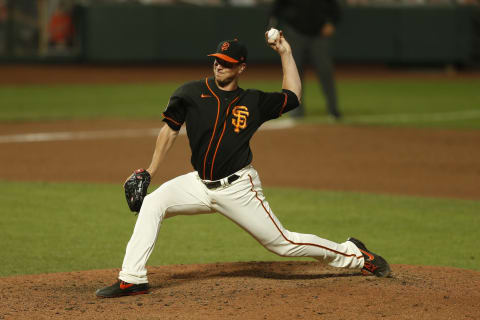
260, 270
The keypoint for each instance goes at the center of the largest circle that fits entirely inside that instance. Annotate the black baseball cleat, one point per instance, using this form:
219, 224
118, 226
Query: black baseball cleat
122, 288
373, 262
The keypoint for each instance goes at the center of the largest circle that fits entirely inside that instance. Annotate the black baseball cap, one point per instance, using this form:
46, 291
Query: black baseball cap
231, 50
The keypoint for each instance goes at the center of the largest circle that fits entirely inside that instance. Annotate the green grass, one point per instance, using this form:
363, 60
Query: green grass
404, 102
33, 103
55, 227
411, 102
49, 227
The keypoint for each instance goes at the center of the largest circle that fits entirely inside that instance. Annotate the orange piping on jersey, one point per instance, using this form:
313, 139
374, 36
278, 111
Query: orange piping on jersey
177, 123
221, 137
214, 128
288, 240
284, 104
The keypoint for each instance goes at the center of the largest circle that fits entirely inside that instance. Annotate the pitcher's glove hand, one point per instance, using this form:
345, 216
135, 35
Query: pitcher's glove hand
136, 189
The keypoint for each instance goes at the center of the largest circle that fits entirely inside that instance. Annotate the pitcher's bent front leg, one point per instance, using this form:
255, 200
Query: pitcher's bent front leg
182, 195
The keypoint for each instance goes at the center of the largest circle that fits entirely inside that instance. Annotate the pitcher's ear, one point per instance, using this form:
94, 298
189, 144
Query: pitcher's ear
243, 67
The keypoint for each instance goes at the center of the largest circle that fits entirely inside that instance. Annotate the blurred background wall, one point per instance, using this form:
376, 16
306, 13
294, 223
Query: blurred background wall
423, 32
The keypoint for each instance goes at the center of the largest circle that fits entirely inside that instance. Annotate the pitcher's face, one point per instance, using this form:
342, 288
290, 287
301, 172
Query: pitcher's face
225, 72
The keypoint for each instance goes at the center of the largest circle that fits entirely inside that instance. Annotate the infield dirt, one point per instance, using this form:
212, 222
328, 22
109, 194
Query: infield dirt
426, 162
250, 290
438, 163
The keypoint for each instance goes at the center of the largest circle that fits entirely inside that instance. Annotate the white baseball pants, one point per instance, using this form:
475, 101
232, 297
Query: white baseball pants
242, 202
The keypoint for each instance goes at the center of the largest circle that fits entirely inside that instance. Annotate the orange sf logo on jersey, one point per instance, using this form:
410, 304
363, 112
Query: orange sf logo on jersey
240, 114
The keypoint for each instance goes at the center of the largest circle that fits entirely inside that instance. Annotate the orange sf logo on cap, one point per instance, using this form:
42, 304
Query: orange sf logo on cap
225, 46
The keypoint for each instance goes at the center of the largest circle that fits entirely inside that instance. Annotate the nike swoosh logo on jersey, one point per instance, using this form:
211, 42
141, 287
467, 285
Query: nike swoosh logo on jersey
205, 95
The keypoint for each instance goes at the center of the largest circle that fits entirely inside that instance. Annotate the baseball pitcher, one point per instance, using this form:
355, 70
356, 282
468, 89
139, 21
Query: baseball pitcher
220, 119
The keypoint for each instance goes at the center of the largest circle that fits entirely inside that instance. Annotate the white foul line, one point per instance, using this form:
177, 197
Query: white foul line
81, 135
407, 118
111, 134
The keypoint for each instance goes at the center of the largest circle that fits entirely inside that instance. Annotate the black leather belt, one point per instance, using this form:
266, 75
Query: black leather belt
218, 183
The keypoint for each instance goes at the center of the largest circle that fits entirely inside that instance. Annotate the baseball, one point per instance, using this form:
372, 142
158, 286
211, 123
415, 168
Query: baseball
273, 35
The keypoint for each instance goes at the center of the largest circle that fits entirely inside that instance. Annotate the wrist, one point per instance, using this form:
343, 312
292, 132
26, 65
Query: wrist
286, 54
151, 171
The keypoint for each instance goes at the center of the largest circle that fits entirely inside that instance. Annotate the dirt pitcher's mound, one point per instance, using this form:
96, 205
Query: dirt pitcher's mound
250, 290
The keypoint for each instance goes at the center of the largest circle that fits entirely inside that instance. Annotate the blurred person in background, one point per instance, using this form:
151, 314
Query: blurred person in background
309, 24
3, 26
60, 28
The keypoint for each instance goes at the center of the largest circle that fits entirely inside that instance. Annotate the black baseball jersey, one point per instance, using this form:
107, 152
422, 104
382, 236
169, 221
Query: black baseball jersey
221, 123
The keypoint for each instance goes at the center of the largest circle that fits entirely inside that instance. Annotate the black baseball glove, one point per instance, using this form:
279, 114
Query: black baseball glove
136, 189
